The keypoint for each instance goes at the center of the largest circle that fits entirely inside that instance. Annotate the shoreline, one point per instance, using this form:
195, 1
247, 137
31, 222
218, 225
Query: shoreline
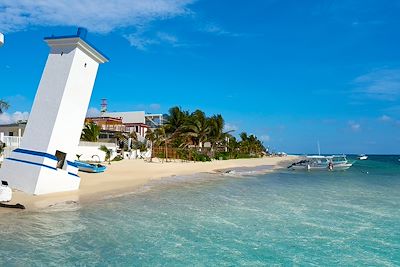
128, 175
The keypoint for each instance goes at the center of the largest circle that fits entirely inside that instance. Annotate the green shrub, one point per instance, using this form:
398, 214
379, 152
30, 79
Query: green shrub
160, 155
183, 153
196, 156
222, 156
118, 158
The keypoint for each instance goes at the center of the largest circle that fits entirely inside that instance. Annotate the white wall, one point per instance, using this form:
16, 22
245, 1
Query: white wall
88, 150
59, 110
128, 117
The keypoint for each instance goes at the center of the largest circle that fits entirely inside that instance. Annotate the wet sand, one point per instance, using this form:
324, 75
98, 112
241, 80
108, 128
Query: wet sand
127, 175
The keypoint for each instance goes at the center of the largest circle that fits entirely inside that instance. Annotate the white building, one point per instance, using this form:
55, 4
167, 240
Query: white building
44, 162
138, 121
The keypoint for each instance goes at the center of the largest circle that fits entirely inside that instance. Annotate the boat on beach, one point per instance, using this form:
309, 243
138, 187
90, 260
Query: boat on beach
90, 167
323, 163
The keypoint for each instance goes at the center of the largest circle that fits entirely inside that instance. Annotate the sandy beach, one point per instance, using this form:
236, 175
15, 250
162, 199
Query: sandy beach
127, 175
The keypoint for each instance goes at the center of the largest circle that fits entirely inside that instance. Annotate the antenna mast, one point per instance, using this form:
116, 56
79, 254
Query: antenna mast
103, 106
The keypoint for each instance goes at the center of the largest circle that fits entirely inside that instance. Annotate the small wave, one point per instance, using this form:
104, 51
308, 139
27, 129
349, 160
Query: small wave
70, 205
246, 171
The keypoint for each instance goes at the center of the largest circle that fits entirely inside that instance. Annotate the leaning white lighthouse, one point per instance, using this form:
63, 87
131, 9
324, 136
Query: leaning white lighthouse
44, 163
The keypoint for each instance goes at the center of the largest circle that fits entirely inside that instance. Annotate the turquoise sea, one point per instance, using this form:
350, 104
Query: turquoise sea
244, 218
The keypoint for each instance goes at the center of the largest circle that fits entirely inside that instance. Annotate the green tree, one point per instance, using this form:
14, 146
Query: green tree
150, 137
251, 145
90, 133
2, 146
175, 119
198, 128
108, 153
133, 135
174, 126
217, 134
163, 138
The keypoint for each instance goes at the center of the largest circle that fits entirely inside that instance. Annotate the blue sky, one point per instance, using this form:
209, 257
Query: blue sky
291, 72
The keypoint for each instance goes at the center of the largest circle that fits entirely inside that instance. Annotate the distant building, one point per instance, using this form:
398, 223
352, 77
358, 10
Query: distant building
138, 121
109, 126
14, 129
138, 117
110, 123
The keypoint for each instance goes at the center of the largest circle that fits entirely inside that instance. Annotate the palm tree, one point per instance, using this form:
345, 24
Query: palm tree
217, 134
174, 126
150, 137
233, 145
244, 143
108, 153
175, 119
2, 146
198, 128
90, 133
133, 135
251, 145
163, 138
155, 139
3, 106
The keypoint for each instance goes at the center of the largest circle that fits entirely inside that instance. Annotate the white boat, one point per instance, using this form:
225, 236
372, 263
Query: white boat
5, 192
323, 163
362, 157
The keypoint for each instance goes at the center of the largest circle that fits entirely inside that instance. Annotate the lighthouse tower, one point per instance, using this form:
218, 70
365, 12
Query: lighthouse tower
44, 162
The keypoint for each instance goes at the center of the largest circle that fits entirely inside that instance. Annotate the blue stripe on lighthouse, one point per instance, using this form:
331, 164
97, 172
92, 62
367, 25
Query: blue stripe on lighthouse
32, 163
36, 153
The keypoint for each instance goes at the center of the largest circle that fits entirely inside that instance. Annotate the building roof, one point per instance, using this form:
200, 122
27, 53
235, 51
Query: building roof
129, 117
17, 124
105, 119
78, 39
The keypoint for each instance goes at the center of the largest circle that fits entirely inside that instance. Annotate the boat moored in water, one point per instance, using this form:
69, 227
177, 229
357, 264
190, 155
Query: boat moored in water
362, 157
323, 163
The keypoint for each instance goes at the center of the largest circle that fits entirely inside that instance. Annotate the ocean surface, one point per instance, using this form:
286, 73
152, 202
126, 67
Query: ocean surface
241, 218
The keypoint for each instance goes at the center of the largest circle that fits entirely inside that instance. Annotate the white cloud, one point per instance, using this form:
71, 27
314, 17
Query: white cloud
385, 118
147, 107
230, 127
96, 15
139, 41
383, 84
143, 40
93, 112
354, 126
168, 38
214, 29
7, 118
155, 106
265, 138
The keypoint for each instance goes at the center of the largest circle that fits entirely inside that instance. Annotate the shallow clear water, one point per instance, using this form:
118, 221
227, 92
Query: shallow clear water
349, 218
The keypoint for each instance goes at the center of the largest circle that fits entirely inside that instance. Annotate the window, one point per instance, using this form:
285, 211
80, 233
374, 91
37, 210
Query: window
10, 133
60, 159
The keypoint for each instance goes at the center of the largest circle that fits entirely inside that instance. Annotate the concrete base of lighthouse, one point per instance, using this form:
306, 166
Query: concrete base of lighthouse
37, 173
